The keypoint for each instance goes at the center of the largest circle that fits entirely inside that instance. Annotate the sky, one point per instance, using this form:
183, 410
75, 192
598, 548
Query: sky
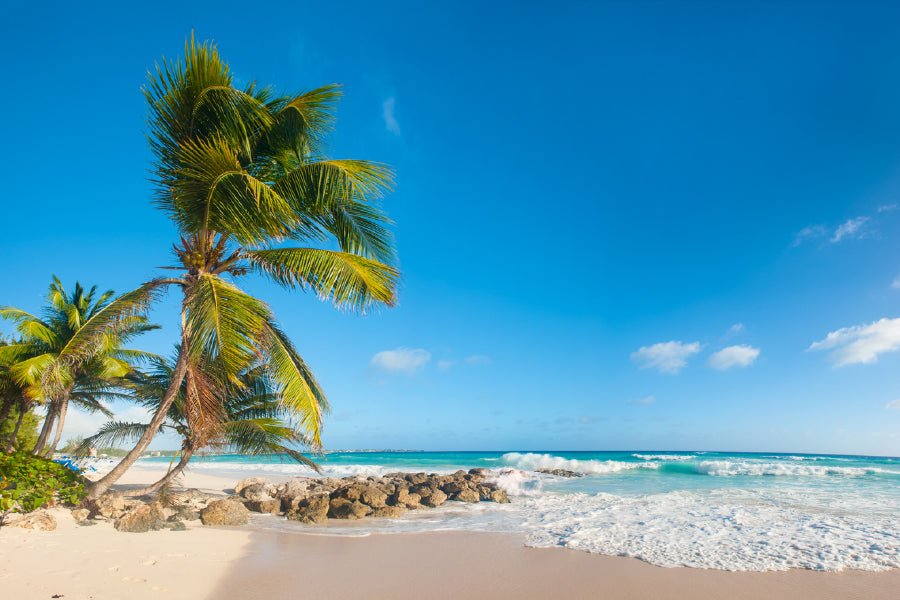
621, 225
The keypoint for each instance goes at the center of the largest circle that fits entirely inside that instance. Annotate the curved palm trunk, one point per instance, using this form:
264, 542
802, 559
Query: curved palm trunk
7, 408
10, 446
61, 421
185, 458
52, 411
100, 486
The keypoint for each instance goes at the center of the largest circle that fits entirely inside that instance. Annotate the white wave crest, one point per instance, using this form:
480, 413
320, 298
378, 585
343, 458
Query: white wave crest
517, 483
683, 529
664, 456
747, 468
532, 462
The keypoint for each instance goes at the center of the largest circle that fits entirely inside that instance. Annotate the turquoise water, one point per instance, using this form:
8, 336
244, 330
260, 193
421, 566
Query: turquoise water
736, 511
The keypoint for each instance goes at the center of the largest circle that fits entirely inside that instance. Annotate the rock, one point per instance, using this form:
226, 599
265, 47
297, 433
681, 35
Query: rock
245, 483
40, 520
454, 487
416, 478
109, 506
80, 514
185, 513
560, 472
258, 492
436, 498
499, 496
225, 512
264, 506
390, 512
176, 526
141, 519
373, 497
479, 472
312, 510
466, 495
341, 508
404, 498
424, 489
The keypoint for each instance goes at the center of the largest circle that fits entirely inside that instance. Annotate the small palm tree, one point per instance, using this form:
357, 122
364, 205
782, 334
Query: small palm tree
241, 172
43, 364
254, 421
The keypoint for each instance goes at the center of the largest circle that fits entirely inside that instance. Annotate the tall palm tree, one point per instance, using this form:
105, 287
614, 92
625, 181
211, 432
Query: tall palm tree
253, 422
241, 173
42, 364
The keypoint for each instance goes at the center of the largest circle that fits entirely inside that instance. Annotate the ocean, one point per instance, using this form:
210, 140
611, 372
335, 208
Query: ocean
732, 511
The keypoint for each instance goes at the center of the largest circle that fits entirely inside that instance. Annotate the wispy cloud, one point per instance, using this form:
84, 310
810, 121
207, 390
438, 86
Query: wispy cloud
861, 343
887, 207
587, 419
896, 283
733, 356
893, 404
478, 360
644, 401
445, 364
390, 121
736, 328
666, 357
810, 232
852, 228
401, 360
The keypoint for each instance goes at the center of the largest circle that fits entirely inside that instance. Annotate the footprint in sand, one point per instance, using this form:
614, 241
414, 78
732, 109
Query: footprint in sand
148, 563
135, 579
156, 588
115, 568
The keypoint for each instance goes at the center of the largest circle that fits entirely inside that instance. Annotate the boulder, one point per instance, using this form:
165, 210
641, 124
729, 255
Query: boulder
109, 506
245, 483
311, 510
80, 514
499, 496
479, 472
404, 498
436, 498
373, 497
225, 512
341, 508
40, 520
560, 472
258, 492
185, 512
416, 478
176, 526
390, 512
141, 519
466, 495
264, 506
454, 487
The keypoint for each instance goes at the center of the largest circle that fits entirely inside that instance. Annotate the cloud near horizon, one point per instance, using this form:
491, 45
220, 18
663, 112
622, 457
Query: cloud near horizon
401, 360
643, 401
893, 404
390, 121
733, 356
861, 343
666, 357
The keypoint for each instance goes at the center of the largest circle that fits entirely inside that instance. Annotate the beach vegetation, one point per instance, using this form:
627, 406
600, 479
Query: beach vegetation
242, 173
30, 482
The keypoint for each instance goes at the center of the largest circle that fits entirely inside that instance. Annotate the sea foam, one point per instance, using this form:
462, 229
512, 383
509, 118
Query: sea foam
532, 462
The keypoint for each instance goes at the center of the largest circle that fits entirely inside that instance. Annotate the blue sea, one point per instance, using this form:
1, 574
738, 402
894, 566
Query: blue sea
733, 511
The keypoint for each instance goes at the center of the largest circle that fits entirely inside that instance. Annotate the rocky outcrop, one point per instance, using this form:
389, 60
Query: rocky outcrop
225, 512
560, 472
142, 518
40, 520
108, 506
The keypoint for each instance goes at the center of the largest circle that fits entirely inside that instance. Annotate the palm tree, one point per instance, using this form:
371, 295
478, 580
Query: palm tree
41, 363
241, 172
254, 421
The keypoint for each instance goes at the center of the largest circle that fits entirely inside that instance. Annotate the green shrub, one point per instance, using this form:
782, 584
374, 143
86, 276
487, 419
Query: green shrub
29, 482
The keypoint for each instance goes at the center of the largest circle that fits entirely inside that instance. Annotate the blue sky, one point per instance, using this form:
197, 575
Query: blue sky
621, 225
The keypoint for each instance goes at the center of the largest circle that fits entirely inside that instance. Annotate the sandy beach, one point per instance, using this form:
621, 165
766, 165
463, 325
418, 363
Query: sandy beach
77, 562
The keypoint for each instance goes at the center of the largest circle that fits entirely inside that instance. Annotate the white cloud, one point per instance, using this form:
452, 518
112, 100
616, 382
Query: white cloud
808, 233
733, 356
851, 229
401, 360
588, 419
893, 405
478, 360
648, 400
887, 207
667, 357
896, 283
445, 364
390, 121
861, 343
736, 328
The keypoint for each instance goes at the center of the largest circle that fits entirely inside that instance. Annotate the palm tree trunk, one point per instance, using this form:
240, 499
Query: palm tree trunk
63, 408
45, 430
10, 446
7, 408
185, 458
100, 486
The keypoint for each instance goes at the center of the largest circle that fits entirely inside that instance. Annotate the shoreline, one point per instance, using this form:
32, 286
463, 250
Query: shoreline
91, 562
